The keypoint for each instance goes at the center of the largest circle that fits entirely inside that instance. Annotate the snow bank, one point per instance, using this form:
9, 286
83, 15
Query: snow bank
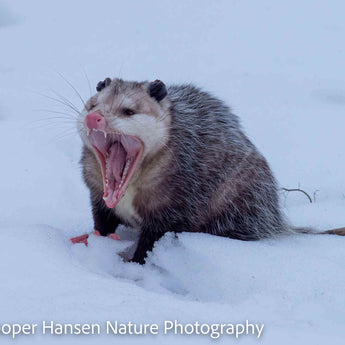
279, 64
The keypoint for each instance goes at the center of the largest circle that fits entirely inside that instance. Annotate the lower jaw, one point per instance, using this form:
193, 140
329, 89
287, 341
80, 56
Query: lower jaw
109, 198
106, 158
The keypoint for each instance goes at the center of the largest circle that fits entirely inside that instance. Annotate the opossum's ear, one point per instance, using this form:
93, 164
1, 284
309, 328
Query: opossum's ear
102, 84
157, 90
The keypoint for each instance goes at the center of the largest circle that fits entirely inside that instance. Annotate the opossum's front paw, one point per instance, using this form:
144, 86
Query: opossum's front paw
83, 238
114, 236
80, 239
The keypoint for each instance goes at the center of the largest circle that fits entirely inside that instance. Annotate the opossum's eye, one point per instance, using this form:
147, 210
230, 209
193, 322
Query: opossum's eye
157, 90
128, 112
102, 84
92, 105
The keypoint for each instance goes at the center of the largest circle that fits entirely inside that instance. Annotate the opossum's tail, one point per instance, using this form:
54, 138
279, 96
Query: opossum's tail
301, 230
338, 231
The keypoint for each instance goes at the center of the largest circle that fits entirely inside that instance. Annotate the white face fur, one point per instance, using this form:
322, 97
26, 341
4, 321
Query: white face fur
150, 121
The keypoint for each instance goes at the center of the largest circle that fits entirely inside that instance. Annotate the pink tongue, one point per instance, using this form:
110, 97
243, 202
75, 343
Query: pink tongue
114, 167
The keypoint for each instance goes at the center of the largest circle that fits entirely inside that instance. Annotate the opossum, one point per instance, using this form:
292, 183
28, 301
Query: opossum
174, 158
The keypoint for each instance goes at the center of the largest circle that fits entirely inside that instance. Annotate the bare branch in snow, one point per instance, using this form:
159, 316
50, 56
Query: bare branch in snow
298, 190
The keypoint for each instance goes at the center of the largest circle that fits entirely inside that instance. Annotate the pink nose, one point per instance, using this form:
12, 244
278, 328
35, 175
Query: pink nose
95, 121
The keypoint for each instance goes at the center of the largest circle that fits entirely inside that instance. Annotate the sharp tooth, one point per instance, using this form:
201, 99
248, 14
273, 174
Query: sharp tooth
105, 135
88, 130
121, 183
126, 169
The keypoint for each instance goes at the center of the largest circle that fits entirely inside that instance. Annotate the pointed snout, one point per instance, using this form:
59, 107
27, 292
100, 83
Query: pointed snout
95, 121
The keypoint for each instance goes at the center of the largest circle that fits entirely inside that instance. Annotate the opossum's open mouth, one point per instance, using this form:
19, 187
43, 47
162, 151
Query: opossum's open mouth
118, 155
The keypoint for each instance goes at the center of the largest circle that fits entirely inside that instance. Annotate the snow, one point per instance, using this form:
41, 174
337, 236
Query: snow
280, 66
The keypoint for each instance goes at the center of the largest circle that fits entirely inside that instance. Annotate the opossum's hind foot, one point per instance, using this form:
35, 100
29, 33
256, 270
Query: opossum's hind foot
83, 238
338, 231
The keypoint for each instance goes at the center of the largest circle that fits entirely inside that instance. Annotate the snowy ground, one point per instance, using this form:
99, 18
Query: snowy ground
281, 67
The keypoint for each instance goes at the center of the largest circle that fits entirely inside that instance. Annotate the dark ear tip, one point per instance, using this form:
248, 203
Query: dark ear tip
107, 81
102, 84
158, 90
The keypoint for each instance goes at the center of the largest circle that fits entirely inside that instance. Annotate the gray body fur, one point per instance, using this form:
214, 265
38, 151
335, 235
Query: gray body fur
223, 184
208, 177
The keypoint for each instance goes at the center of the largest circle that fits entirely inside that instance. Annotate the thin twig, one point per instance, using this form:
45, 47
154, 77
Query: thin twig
299, 190
315, 194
